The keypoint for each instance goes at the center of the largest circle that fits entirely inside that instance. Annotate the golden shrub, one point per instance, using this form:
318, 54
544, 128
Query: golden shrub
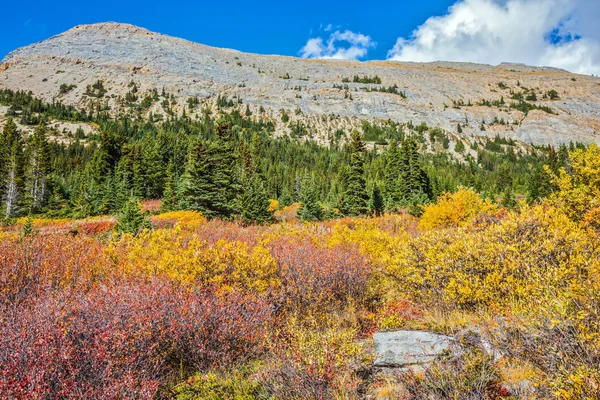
455, 210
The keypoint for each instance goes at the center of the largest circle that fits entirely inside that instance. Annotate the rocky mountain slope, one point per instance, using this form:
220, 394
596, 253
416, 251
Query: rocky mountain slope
561, 106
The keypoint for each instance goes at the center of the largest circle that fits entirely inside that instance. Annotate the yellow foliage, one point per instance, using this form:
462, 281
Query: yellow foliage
186, 258
455, 210
579, 189
273, 205
186, 219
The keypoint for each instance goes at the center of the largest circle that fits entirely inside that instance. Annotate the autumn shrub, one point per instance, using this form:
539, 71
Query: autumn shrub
470, 376
185, 257
560, 339
313, 359
237, 384
455, 210
93, 228
320, 277
124, 340
579, 186
38, 263
188, 220
512, 261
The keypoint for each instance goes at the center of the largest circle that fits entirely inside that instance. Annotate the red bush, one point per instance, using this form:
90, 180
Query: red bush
122, 340
318, 277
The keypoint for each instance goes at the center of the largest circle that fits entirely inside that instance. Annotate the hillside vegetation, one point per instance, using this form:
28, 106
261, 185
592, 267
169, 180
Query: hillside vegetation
196, 308
174, 304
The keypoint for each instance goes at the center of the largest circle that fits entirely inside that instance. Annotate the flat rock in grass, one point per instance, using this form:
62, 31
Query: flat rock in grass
404, 348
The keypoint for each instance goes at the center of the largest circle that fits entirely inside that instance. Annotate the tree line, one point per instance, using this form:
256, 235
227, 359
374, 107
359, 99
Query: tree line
230, 166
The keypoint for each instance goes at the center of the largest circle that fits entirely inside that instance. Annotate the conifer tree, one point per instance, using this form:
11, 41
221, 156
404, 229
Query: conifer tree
196, 189
224, 172
254, 202
414, 184
310, 208
355, 199
169, 200
38, 169
376, 203
392, 176
131, 219
12, 177
508, 198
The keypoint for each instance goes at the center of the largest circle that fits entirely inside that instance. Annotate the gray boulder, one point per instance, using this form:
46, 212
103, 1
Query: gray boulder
401, 349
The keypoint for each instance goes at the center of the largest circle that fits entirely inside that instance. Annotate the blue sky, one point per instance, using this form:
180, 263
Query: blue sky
559, 33
270, 27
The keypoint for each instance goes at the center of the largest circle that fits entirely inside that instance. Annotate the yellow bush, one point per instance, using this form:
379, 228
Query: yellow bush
187, 219
455, 210
517, 260
184, 257
579, 189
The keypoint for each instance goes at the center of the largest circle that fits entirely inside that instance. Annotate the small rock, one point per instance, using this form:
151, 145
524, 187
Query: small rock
405, 348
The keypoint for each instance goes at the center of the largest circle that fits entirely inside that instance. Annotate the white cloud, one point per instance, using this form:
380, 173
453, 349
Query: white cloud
558, 33
340, 45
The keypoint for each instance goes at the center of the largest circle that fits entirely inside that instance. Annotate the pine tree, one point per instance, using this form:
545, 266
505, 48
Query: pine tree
169, 200
38, 170
355, 198
414, 185
392, 176
508, 198
539, 185
376, 203
81, 202
131, 219
310, 208
27, 227
196, 190
254, 202
224, 171
12, 179
553, 161
210, 183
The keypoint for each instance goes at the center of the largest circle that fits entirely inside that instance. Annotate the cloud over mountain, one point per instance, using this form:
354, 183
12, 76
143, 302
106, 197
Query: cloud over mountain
345, 45
558, 33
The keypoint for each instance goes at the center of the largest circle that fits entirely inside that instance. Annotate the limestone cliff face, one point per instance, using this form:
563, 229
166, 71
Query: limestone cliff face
440, 94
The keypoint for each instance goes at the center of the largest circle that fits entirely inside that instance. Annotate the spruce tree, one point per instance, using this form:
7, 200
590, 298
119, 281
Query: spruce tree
310, 207
376, 203
12, 178
169, 200
38, 169
392, 176
197, 189
508, 198
131, 219
414, 184
224, 172
355, 198
254, 202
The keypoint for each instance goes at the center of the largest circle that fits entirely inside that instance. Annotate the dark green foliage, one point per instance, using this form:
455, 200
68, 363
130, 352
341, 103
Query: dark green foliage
131, 219
376, 203
366, 79
508, 198
150, 158
12, 169
392, 195
27, 227
210, 183
254, 202
459, 147
37, 170
169, 200
310, 207
355, 199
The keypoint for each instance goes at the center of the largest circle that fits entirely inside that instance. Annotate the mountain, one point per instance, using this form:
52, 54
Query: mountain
530, 104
